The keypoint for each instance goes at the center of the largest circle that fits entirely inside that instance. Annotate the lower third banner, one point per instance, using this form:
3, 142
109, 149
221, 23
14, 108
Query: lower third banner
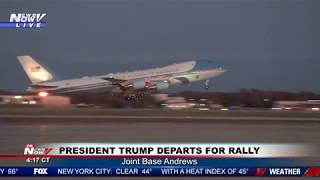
158, 171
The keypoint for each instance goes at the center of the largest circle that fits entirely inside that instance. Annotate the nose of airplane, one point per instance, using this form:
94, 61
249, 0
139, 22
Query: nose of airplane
222, 70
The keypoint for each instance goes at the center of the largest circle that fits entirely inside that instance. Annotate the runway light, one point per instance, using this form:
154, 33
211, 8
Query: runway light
203, 109
32, 102
42, 94
315, 109
17, 97
24, 102
224, 109
276, 108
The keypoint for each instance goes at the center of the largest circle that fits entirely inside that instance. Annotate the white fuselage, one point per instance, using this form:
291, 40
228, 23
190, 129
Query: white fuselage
175, 74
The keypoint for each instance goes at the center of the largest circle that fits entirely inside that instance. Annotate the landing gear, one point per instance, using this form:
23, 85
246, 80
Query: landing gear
206, 84
137, 96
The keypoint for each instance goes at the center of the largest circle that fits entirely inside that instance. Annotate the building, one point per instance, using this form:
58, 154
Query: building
313, 105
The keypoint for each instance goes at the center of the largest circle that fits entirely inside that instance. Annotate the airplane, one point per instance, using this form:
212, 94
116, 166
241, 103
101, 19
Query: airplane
134, 85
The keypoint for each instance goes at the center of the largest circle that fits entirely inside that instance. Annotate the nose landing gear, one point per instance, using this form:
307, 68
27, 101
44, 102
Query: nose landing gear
206, 84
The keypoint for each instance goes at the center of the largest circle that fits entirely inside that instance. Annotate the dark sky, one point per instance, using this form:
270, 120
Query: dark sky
271, 45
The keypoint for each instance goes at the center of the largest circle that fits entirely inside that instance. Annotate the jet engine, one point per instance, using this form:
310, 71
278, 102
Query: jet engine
162, 85
139, 83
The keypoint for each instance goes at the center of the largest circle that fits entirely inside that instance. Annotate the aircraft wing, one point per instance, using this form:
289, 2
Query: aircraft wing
115, 81
149, 83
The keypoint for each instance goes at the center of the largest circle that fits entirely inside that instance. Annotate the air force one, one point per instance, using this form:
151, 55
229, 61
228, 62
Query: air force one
135, 85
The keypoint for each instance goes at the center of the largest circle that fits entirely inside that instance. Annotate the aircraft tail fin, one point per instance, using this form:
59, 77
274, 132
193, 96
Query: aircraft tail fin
35, 72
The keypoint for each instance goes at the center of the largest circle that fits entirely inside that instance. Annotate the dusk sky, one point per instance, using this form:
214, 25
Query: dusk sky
264, 44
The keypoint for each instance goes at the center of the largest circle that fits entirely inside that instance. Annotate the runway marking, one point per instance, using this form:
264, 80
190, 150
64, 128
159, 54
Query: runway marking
182, 118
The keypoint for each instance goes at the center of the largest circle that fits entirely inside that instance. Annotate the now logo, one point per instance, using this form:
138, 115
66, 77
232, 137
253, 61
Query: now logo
25, 17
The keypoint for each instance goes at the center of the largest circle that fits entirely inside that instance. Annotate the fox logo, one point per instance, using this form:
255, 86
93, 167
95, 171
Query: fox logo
31, 149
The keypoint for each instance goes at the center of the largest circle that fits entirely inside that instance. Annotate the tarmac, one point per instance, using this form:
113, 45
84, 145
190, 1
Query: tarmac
21, 127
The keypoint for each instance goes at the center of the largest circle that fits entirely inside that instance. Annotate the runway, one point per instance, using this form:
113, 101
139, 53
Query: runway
16, 130
151, 119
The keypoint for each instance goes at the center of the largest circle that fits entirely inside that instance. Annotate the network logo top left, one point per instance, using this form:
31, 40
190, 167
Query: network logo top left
25, 20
